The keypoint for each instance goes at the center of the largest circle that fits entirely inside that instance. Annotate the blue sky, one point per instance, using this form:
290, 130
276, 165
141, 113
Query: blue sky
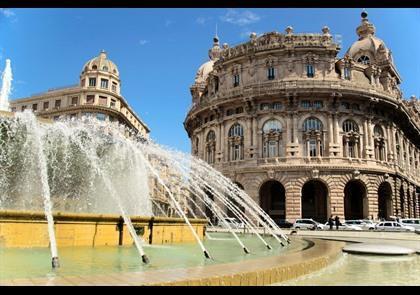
158, 51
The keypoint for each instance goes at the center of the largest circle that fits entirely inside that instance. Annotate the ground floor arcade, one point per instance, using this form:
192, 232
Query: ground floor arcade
319, 194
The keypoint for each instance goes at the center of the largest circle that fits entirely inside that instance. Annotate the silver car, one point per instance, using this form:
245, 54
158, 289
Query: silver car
414, 222
363, 224
307, 223
393, 226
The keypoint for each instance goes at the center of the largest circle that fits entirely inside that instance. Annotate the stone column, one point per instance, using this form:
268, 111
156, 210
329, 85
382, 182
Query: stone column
248, 135
223, 139
289, 129
330, 134
254, 135
295, 129
336, 129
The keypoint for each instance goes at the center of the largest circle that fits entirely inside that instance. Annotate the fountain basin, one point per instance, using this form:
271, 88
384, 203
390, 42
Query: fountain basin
180, 264
29, 229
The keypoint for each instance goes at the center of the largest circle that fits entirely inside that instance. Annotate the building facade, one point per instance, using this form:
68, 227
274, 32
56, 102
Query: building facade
308, 134
97, 94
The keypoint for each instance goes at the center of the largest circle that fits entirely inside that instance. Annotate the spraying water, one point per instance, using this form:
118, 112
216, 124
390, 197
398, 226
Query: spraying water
6, 87
91, 166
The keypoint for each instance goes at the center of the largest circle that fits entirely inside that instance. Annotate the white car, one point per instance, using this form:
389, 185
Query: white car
363, 224
414, 222
307, 223
393, 226
343, 226
231, 222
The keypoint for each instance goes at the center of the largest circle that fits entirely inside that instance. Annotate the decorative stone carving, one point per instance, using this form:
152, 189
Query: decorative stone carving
315, 173
271, 174
356, 174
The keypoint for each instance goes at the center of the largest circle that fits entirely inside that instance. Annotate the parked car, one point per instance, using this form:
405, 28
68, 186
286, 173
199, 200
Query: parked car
393, 226
343, 226
363, 224
283, 223
414, 222
232, 222
307, 223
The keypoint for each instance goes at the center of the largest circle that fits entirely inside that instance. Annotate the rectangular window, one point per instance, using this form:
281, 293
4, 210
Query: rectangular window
74, 100
229, 112
34, 107
306, 104
265, 106
235, 80
239, 110
347, 73
114, 86
104, 83
90, 99
318, 104
103, 100
236, 152
46, 105
312, 148
310, 71
23, 108
272, 149
92, 82
277, 106
100, 116
113, 103
57, 103
270, 73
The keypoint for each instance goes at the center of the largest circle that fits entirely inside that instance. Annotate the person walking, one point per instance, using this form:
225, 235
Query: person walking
337, 222
331, 222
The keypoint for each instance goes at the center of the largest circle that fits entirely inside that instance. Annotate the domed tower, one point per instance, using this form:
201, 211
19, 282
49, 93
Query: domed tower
370, 57
204, 70
100, 73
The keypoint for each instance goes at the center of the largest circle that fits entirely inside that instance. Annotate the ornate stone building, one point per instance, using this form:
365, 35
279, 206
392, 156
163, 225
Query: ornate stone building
97, 94
306, 133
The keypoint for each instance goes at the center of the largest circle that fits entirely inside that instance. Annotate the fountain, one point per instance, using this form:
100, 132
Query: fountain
90, 166
6, 87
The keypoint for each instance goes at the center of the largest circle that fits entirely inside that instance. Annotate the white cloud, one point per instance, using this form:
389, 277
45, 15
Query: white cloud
7, 12
202, 20
143, 42
240, 18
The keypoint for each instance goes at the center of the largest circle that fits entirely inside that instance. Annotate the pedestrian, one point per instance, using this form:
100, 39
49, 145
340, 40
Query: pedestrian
331, 222
337, 222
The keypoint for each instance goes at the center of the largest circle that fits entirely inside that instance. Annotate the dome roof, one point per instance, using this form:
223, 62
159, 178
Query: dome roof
368, 44
101, 63
205, 69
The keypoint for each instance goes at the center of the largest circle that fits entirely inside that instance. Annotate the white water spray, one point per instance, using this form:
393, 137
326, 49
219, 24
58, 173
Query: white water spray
6, 87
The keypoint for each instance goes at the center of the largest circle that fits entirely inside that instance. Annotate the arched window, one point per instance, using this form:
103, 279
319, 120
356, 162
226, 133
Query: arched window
94, 67
350, 125
364, 60
105, 68
313, 136
236, 142
312, 124
272, 139
379, 141
210, 147
351, 136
